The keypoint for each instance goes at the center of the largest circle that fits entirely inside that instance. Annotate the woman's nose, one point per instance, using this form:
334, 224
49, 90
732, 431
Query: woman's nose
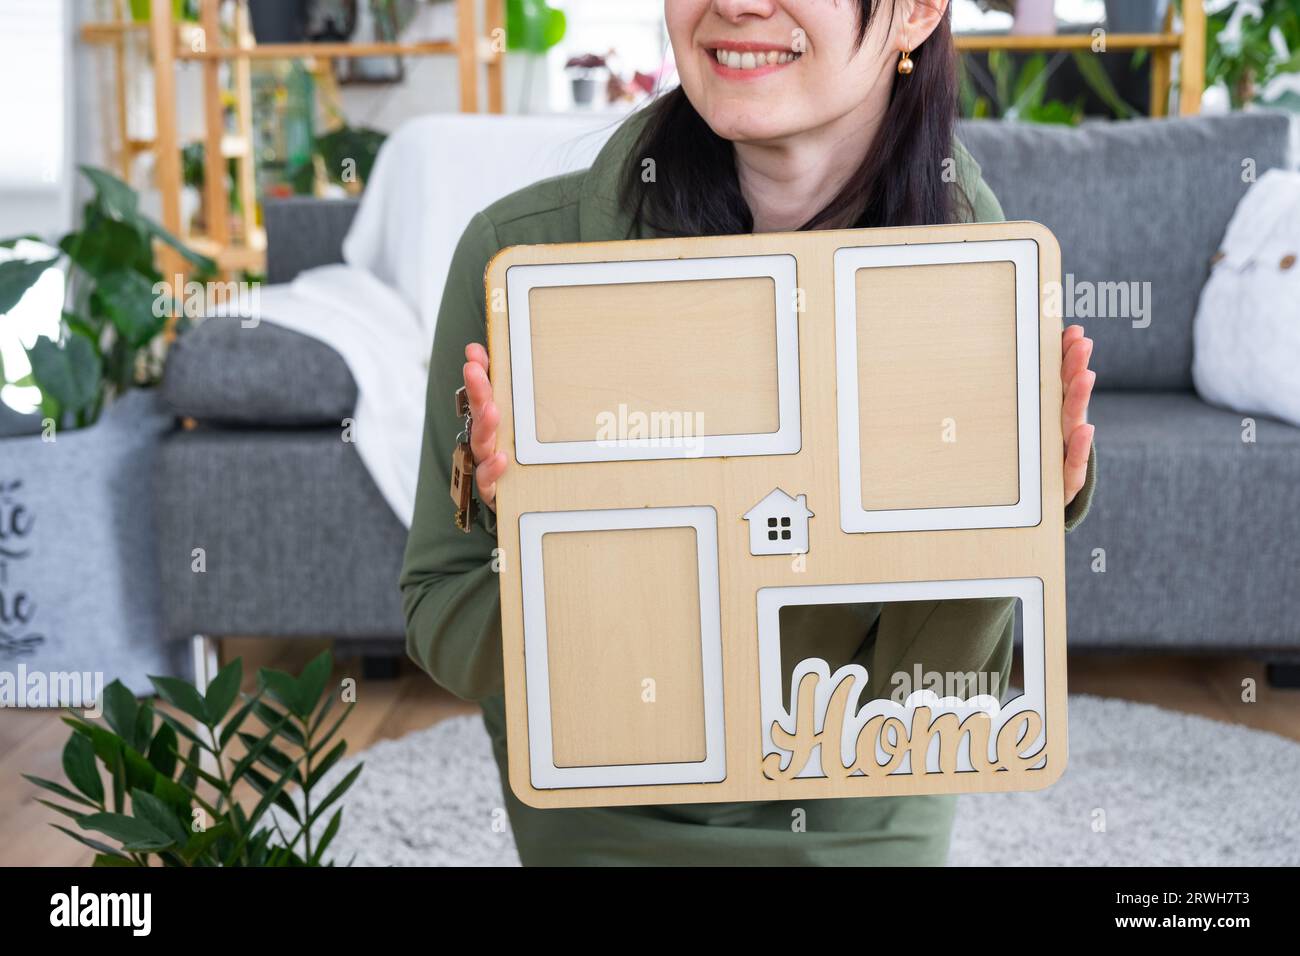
735, 11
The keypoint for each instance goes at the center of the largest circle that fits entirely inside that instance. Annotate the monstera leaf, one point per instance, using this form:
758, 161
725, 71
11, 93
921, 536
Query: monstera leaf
532, 26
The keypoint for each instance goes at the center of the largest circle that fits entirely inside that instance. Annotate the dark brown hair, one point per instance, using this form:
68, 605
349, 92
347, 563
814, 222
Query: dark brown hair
898, 183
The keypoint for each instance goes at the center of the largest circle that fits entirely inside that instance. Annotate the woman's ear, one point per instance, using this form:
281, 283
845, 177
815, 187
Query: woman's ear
918, 18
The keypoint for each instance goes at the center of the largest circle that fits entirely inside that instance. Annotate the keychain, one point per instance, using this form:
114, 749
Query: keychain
462, 467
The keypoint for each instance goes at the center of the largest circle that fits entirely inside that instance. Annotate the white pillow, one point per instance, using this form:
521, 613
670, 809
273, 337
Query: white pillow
1246, 338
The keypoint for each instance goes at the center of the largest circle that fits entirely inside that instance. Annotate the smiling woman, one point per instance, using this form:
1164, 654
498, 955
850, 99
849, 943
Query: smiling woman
791, 115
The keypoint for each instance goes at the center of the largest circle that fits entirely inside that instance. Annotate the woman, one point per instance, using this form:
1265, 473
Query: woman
792, 114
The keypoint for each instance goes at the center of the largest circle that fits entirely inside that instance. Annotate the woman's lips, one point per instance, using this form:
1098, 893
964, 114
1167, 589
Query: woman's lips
748, 60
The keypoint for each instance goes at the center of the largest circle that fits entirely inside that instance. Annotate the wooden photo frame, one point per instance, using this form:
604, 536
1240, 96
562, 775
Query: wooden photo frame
703, 432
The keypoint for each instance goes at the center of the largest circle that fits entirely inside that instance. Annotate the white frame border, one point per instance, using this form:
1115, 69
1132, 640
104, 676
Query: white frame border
1027, 511
541, 756
520, 280
1034, 649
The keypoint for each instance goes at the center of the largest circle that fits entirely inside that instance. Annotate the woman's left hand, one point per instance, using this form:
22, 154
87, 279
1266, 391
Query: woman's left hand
1077, 381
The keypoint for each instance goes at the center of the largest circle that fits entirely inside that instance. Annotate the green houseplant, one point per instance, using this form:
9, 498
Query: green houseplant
111, 325
1249, 44
171, 799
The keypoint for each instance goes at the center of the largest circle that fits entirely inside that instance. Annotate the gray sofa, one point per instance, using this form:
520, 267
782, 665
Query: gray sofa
1199, 531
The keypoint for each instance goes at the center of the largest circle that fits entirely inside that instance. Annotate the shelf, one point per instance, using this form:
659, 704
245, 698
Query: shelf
294, 51
234, 256
1067, 41
107, 32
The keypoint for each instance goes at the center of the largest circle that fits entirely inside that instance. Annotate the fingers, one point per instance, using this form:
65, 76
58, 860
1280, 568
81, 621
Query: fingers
1074, 408
490, 464
474, 352
483, 436
486, 476
1075, 358
1077, 447
1071, 335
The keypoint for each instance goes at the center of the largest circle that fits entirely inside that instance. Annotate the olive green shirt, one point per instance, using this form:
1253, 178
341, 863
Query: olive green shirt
453, 615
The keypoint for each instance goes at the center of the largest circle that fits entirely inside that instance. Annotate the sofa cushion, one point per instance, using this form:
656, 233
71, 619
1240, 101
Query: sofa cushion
1141, 201
297, 539
1200, 530
222, 373
303, 232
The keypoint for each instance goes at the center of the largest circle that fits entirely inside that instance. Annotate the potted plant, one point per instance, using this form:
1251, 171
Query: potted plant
585, 71
532, 28
172, 777
78, 568
1253, 52
278, 21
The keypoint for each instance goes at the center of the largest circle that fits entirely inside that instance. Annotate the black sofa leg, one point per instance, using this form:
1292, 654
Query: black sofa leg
1284, 676
380, 666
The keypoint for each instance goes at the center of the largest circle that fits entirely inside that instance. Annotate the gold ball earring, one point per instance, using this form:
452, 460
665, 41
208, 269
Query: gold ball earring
905, 65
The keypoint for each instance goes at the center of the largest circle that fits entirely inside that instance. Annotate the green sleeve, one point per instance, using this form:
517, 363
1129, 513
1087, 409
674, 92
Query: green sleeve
450, 593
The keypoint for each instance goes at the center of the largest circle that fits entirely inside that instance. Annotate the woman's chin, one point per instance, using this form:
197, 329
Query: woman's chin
746, 127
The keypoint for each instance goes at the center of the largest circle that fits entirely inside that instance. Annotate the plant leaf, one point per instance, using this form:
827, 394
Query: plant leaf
282, 687
189, 776
69, 373
91, 842
262, 783
330, 760
115, 198
223, 690
80, 767
312, 682
61, 790
157, 814
162, 751
182, 695
120, 710
128, 299
327, 837
17, 276
1098, 80
339, 789
132, 833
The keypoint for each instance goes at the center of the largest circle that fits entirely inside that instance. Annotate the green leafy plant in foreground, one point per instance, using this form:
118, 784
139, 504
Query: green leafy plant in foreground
170, 792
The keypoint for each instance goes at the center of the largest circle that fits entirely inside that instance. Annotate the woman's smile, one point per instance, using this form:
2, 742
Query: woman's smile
737, 60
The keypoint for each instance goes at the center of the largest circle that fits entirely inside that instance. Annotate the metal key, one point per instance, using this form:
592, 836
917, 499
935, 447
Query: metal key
462, 467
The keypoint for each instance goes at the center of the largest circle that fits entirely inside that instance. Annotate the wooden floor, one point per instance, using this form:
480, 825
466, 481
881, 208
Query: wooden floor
32, 741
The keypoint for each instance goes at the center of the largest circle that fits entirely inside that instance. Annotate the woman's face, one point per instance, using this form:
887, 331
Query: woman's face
764, 70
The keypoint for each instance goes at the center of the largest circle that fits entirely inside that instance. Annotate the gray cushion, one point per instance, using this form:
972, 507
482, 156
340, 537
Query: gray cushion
303, 232
1135, 201
297, 538
1199, 528
222, 373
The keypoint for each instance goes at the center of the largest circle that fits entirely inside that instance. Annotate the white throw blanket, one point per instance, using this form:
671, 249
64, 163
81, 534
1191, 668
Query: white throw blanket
378, 309
1247, 330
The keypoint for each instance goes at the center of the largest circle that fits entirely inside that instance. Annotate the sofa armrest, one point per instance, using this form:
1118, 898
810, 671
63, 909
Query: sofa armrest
303, 232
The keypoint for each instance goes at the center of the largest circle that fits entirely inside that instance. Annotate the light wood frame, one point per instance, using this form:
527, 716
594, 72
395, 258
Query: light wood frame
731, 486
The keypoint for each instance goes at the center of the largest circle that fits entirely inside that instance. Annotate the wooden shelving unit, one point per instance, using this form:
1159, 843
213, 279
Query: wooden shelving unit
1188, 43
171, 43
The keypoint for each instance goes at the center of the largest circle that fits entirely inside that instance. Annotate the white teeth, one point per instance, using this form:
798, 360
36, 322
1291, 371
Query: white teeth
750, 61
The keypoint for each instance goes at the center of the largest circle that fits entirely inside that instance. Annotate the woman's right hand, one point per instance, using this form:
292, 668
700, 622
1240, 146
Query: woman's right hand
489, 464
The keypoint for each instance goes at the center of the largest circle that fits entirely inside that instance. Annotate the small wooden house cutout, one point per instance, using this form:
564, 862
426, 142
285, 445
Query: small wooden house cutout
779, 524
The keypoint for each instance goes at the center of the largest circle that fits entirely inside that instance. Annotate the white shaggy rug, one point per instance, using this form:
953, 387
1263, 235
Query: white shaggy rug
1180, 791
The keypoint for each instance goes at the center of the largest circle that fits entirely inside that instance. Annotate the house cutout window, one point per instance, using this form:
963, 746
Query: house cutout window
779, 524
